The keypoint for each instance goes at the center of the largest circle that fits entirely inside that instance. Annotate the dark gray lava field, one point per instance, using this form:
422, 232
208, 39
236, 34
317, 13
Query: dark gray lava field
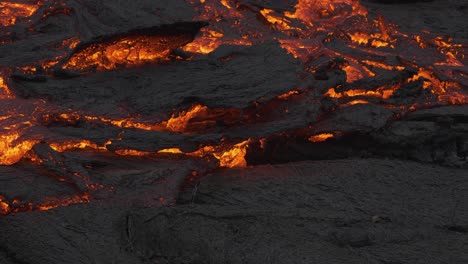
233, 131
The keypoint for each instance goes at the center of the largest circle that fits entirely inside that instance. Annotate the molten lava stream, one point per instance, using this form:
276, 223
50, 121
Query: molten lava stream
46, 204
128, 51
134, 48
197, 119
53, 202
5, 92
11, 11
228, 26
12, 149
12, 146
321, 137
228, 155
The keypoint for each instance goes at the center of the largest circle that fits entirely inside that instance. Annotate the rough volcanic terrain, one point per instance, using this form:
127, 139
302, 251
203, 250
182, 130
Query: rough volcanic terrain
233, 131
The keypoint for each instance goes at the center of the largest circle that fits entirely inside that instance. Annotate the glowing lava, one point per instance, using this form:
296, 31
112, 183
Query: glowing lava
131, 49
234, 157
179, 123
229, 156
83, 144
321, 137
10, 12
314, 32
12, 148
46, 204
4, 90
53, 202
4, 206
127, 51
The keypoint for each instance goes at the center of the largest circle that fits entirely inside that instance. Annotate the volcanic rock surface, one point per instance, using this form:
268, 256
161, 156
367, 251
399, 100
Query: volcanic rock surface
343, 211
233, 131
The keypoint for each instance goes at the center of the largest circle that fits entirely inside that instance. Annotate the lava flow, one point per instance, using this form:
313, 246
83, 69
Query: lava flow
133, 48
4, 90
346, 57
10, 12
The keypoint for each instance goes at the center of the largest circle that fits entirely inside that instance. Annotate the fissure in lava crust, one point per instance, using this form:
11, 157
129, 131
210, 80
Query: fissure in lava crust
225, 84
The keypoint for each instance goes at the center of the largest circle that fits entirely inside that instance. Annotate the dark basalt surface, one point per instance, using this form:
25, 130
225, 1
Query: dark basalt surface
445, 18
342, 211
163, 88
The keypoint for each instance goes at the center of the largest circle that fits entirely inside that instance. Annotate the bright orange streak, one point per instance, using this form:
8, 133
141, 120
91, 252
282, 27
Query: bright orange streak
4, 90
321, 137
225, 3
384, 66
355, 102
171, 151
229, 157
83, 144
450, 60
177, 123
131, 152
288, 94
53, 202
123, 123
380, 93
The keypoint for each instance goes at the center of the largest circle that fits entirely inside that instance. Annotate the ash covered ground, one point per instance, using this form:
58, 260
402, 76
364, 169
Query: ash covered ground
234, 132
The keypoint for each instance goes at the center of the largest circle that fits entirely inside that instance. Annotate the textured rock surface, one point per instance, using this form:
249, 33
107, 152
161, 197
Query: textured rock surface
161, 88
370, 205
437, 16
342, 211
